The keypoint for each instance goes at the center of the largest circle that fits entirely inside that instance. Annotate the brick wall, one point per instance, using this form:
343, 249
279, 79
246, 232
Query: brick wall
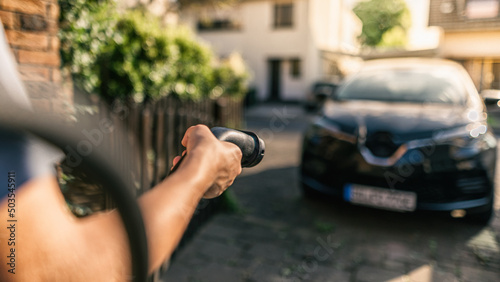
31, 27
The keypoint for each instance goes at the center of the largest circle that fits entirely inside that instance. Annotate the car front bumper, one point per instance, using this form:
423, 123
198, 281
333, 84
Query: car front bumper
473, 205
439, 182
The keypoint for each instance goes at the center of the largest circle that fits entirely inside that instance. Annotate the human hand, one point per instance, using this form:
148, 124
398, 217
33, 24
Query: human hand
218, 162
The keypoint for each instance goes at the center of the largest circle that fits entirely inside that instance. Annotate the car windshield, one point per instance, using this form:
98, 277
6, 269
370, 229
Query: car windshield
406, 85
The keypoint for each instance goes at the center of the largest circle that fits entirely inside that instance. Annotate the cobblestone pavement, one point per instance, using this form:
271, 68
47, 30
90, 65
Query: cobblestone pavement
280, 236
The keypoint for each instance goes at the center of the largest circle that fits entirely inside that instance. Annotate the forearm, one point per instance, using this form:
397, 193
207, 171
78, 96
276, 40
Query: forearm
168, 208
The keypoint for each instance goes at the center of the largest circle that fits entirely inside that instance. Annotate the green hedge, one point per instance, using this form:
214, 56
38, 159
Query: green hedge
130, 54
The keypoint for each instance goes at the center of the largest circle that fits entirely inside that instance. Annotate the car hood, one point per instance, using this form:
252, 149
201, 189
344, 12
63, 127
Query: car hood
404, 121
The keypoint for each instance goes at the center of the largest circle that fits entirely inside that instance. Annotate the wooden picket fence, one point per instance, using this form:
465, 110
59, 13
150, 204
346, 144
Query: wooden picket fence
144, 140
160, 126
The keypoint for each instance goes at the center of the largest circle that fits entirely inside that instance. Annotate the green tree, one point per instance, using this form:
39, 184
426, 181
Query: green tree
119, 55
385, 22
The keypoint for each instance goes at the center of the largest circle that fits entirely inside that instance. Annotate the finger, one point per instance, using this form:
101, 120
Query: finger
175, 161
185, 139
198, 128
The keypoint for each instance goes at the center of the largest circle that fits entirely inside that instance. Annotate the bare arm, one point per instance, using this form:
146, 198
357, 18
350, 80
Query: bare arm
53, 245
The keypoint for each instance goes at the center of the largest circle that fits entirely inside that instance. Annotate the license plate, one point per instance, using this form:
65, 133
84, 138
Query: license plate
380, 198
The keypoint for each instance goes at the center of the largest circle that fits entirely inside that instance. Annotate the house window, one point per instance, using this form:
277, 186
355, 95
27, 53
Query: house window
283, 15
295, 69
218, 24
481, 9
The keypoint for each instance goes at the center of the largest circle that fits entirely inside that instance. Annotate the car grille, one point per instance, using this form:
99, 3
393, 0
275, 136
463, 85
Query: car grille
381, 144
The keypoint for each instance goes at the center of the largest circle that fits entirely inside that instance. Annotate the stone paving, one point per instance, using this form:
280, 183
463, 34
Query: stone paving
280, 236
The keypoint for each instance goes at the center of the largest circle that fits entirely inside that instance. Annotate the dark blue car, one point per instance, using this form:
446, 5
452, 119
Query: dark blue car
405, 135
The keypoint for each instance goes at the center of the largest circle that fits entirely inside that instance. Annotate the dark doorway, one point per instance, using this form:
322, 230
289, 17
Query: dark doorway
274, 79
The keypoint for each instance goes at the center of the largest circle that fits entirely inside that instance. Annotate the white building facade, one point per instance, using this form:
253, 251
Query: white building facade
287, 44
471, 36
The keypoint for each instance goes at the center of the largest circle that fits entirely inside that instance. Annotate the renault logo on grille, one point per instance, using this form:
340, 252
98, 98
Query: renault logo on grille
381, 144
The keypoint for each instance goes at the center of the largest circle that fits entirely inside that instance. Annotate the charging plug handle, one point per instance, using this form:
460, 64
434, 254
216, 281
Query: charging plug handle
252, 147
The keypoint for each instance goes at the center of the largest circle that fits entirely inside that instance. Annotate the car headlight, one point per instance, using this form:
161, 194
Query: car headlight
465, 148
465, 141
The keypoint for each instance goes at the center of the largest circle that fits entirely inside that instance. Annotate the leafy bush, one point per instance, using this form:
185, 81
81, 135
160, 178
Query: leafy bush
230, 77
85, 27
130, 54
